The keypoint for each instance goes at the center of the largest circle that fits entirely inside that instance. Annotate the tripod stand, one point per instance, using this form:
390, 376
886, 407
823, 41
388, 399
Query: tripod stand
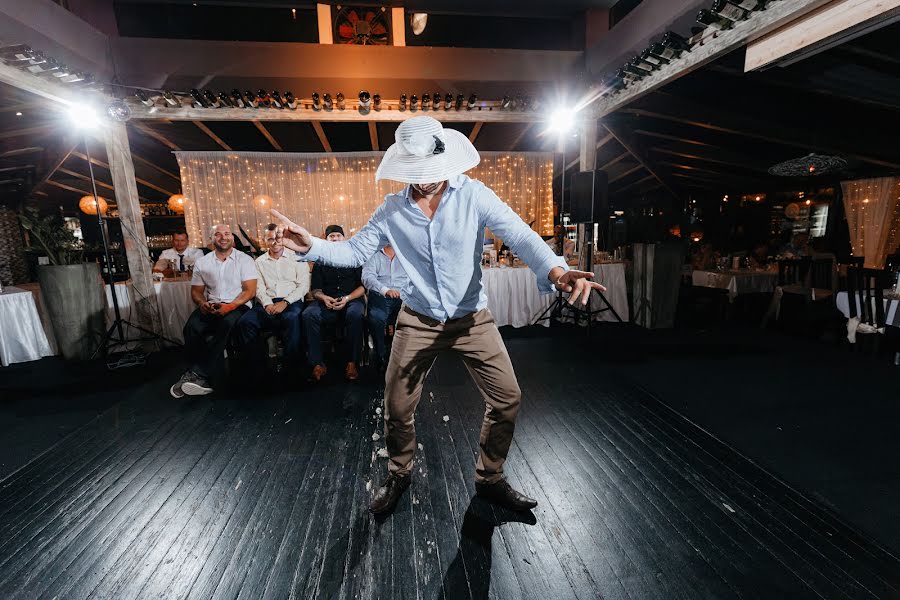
115, 335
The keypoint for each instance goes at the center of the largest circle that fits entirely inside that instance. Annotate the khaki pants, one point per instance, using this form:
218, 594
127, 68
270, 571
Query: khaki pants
417, 342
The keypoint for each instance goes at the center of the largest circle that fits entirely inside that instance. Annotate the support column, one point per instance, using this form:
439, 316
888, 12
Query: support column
587, 158
121, 167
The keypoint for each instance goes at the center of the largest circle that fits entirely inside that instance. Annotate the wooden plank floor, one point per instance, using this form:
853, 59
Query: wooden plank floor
263, 496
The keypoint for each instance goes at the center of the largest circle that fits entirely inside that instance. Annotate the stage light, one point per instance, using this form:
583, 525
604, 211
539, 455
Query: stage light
504, 103
89, 205
459, 101
365, 100
317, 101
413, 102
448, 101
289, 100
277, 100
402, 102
19, 113
328, 102
376, 101
472, 100
117, 110
436, 100
426, 101
211, 99
199, 102
225, 100
561, 120
341, 104
143, 99
84, 116
171, 100
262, 99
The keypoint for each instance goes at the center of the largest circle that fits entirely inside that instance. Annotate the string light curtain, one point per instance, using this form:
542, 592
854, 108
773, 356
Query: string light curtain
316, 189
873, 216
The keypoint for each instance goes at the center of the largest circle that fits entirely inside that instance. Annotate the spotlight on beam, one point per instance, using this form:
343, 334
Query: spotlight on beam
118, 111
376, 101
84, 116
561, 121
365, 99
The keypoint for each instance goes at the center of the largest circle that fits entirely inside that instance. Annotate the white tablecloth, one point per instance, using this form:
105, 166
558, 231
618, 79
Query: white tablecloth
173, 298
513, 296
891, 314
737, 282
22, 335
514, 299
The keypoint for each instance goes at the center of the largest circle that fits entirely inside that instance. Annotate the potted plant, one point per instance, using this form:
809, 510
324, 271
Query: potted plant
70, 288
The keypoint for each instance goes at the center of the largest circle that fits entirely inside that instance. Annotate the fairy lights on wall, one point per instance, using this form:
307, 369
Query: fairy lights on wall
318, 189
873, 217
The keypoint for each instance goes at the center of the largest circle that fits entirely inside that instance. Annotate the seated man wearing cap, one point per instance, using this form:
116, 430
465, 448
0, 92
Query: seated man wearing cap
384, 277
337, 292
436, 227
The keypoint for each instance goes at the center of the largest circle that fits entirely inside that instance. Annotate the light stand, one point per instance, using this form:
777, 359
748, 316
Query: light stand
554, 311
115, 335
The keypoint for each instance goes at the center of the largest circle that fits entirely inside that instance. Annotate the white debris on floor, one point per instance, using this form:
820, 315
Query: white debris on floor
382, 453
378, 411
446, 418
375, 437
421, 447
368, 486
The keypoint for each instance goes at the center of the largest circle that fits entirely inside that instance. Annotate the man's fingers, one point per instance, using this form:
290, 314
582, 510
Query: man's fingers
284, 220
598, 286
586, 293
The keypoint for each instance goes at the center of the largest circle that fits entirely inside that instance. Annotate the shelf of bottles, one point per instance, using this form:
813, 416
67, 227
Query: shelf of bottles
147, 210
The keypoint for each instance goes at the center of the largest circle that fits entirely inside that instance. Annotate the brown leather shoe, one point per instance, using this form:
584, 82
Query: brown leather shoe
503, 494
351, 372
387, 495
318, 372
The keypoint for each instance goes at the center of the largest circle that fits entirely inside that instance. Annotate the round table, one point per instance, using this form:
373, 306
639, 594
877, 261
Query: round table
22, 337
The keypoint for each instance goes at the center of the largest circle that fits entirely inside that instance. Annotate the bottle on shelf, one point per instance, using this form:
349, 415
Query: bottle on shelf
199, 101
211, 99
225, 100
143, 98
473, 99
262, 99
376, 101
327, 102
237, 99
250, 99
276, 99
459, 101
171, 100
341, 103
413, 102
714, 20
402, 102
448, 101
316, 101
289, 100
426, 101
731, 11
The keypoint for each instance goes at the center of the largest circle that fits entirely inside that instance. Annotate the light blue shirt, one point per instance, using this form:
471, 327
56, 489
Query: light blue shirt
381, 274
442, 255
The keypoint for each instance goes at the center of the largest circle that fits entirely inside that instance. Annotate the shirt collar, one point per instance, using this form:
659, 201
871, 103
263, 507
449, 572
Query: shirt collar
453, 183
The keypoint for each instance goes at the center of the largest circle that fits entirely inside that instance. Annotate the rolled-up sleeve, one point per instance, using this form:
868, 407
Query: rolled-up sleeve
523, 240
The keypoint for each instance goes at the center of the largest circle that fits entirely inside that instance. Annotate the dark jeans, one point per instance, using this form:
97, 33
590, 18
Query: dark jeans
205, 358
257, 319
383, 311
317, 315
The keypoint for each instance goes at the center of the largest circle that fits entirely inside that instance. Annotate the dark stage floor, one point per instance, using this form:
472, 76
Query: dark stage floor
262, 494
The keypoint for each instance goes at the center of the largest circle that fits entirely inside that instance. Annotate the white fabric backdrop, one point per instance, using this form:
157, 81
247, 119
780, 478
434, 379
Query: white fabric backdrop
318, 189
873, 217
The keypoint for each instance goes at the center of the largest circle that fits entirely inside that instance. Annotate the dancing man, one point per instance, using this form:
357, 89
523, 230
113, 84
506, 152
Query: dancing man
436, 228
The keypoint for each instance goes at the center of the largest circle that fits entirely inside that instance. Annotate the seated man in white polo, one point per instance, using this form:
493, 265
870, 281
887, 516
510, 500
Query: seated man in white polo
179, 253
223, 284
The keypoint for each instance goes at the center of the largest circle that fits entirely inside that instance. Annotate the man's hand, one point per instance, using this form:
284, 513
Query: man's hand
340, 303
225, 308
279, 307
207, 308
392, 294
328, 301
296, 237
270, 309
577, 284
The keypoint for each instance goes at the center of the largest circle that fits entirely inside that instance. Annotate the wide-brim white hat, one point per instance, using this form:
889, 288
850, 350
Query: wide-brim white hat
425, 152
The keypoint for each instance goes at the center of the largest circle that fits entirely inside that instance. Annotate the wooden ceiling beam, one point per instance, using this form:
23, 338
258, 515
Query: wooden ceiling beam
202, 127
666, 107
673, 138
615, 160
268, 135
728, 160
373, 136
81, 177
69, 188
634, 146
626, 173
323, 139
144, 182
21, 151
600, 143
473, 135
155, 135
27, 131
640, 181
153, 165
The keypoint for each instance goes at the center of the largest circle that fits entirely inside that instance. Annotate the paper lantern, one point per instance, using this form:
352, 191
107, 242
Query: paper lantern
89, 207
176, 203
263, 200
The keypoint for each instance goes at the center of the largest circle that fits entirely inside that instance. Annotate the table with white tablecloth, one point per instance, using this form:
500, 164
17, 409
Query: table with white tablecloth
173, 299
891, 312
744, 281
514, 299
22, 336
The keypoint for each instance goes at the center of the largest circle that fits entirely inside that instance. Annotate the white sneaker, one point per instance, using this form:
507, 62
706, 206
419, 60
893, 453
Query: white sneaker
194, 385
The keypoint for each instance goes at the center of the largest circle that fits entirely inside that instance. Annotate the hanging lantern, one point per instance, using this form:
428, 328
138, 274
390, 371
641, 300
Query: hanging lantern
263, 200
89, 207
176, 203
